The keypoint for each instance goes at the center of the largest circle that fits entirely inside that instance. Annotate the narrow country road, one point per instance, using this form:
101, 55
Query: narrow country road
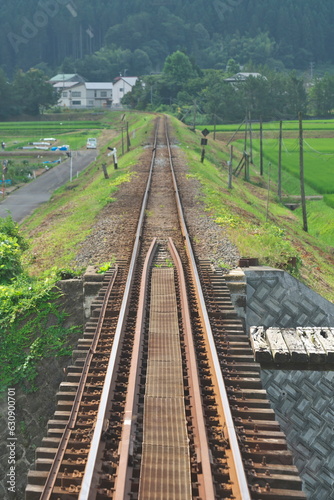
21, 202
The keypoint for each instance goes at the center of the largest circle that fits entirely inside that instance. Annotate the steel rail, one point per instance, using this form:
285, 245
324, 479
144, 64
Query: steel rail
64, 440
122, 480
88, 482
206, 480
239, 479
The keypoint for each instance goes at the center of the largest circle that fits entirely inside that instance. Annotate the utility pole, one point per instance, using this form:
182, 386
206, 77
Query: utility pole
128, 143
250, 140
4, 172
261, 147
301, 166
230, 168
122, 130
280, 160
268, 193
246, 125
194, 116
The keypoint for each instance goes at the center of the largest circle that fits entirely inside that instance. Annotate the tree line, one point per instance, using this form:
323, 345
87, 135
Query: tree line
138, 35
183, 87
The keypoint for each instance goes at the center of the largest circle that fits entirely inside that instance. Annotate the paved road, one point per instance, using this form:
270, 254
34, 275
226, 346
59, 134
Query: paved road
23, 201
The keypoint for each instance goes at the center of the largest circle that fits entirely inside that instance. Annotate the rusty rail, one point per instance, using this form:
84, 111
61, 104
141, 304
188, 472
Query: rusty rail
54, 470
88, 482
239, 479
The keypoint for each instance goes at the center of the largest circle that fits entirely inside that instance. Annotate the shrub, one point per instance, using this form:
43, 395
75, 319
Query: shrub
11, 228
10, 258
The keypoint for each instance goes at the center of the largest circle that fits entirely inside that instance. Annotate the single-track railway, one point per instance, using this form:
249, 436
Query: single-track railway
164, 399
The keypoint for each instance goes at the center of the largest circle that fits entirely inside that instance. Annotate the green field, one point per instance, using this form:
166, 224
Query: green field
47, 128
287, 125
74, 133
318, 153
318, 162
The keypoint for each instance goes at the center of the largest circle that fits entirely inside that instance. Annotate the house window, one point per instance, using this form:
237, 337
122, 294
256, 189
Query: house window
103, 93
76, 103
76, 94
90, 103
64, 94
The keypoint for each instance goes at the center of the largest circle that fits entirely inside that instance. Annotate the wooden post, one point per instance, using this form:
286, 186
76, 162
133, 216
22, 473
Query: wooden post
122, 129
280, 160
3, 185
246, 125
230, 168
301, 166
246, 167
4, 172
261, 147
104, 168
268, 193
214, 127
194, 115
128, 143
250, 140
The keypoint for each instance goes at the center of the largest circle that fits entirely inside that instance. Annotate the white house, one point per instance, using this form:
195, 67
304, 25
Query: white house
122, 85
242, 77
85, 94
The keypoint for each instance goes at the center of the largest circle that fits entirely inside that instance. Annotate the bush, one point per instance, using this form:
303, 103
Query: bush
11, 228
10, 258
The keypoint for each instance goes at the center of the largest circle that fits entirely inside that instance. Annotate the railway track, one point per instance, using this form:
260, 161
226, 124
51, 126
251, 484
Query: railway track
164, 399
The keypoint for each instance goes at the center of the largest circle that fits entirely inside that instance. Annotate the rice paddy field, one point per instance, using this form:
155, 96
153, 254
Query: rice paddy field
17, 135
318, 153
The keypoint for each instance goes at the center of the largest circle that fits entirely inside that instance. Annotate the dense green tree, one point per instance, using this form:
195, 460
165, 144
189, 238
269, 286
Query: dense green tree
213, 32
33, 92
296, 96
178, 68
7, 103
322, 96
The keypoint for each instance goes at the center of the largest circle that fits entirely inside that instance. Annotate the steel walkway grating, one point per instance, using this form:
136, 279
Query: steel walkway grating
165, 468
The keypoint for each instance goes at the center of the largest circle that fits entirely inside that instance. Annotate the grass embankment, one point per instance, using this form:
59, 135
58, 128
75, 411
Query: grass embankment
56, 229
27, 297
256, 221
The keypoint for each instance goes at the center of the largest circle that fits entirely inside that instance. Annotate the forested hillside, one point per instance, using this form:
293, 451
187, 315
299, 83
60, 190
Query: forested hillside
138, 35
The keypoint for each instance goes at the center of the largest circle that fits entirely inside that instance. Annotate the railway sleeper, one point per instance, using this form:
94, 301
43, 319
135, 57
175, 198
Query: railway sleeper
263, 425
247, 393
265, 443
256, 433
258, 413
270, 469
245, 383
289, 482
64, 479
270, 456
254, 367
249, 403
275, 494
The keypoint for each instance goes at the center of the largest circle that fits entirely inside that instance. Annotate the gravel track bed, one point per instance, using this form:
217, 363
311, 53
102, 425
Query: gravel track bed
113, 235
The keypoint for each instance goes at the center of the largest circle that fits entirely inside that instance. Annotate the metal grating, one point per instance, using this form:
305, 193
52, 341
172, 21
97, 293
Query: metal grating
165, 468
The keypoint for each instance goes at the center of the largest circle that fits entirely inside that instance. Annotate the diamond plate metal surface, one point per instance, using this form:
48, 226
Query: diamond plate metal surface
304, 405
